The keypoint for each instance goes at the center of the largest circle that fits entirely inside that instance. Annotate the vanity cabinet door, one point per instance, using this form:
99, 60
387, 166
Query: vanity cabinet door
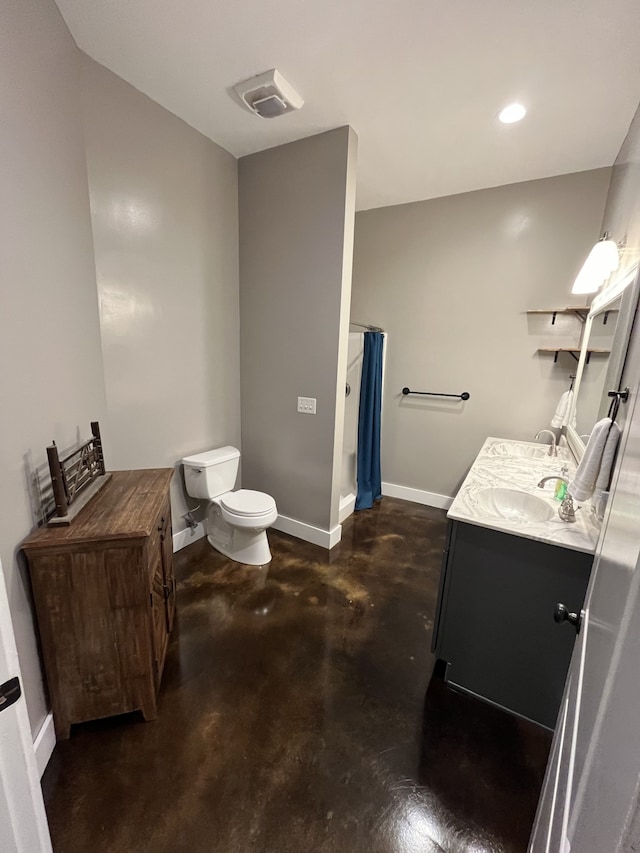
498, 635
442, 590
166, 546
162, 595
160, 634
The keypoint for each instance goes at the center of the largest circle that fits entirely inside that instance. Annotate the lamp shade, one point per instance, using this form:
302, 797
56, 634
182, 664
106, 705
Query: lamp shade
603, 259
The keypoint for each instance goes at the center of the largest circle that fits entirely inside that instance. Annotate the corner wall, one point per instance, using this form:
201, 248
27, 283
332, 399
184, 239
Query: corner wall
297, 205
450, 280
52, 382
164, 206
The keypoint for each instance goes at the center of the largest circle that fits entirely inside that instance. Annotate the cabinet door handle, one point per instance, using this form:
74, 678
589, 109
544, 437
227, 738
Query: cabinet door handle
169, 588
562, 614
10, 692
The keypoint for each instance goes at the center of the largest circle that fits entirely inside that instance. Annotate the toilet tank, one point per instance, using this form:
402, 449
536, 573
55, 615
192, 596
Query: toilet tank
213, 473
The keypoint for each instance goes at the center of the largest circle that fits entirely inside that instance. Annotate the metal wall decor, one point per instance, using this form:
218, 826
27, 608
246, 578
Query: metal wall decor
76, 477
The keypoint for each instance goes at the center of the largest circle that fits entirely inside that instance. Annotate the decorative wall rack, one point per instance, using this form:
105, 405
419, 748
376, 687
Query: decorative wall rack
77, 477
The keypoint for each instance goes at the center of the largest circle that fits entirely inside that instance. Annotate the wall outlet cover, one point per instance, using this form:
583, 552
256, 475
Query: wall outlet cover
307, 405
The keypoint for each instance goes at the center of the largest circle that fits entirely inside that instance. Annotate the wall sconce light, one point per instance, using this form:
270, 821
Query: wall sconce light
602, 260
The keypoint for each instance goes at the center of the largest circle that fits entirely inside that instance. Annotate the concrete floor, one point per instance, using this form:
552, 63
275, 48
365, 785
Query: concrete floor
298, 714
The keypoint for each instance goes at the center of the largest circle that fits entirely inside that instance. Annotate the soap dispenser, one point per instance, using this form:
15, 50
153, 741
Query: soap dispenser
561, 487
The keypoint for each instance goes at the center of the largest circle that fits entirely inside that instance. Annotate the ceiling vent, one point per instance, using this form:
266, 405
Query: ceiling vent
269, 95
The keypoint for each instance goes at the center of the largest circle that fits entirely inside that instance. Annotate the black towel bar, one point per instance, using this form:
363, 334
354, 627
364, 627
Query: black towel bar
464, 396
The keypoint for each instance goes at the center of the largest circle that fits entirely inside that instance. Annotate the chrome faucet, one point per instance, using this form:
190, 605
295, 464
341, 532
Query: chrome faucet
566, 510
553, 450
545, 480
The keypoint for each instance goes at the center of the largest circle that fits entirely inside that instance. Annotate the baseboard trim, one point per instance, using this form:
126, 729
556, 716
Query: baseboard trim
44, 743
185, 537
316, 535
417, 496
347, 506
300, 529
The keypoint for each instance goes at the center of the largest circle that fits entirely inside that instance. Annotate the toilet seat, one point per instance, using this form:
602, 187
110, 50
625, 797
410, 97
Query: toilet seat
248, 503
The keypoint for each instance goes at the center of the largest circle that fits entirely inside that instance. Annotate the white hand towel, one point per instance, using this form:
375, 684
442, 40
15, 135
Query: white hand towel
595, 466
608, 456
562, 410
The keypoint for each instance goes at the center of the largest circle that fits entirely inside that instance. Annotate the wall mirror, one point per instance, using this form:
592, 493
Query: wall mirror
607, 327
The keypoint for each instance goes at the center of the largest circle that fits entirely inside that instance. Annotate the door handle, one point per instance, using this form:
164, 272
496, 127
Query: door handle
10, 692
169, 589
562, 614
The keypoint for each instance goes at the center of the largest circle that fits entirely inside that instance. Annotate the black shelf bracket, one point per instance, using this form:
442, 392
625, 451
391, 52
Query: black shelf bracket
572, 354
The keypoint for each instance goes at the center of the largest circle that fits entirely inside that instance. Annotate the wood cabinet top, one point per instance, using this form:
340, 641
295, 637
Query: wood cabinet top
126, 508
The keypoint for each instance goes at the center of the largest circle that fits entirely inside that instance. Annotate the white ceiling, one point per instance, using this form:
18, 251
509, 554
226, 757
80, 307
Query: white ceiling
420, 81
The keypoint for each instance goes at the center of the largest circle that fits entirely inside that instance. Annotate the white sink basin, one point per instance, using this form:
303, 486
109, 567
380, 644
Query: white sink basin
513, 448
513, 505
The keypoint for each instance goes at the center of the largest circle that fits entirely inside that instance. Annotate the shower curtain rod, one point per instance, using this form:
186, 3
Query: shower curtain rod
366, 326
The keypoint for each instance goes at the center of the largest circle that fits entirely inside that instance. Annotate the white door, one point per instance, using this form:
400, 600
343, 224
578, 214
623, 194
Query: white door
23, 822
591, 787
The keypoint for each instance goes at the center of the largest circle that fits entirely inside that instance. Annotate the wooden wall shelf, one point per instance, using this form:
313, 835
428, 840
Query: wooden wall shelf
574, 352
581, 312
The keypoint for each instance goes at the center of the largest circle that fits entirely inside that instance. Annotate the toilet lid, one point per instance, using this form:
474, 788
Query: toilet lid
248, 502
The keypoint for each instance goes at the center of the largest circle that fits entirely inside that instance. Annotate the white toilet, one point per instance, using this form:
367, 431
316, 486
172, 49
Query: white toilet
236, 521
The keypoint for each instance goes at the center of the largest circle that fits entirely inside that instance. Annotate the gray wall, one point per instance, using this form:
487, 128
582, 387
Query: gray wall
164, 214
622, 221
51, 380
606, 784
296, 215
164, 204
622, 211
450, 280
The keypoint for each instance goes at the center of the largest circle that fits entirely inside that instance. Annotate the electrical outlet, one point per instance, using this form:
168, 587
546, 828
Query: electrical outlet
307, 405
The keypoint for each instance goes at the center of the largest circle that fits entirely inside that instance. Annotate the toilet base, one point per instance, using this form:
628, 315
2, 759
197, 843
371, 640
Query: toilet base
243, 545
254, 553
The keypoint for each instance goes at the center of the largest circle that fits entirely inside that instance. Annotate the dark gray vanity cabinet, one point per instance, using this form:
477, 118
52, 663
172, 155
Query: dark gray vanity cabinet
494, 623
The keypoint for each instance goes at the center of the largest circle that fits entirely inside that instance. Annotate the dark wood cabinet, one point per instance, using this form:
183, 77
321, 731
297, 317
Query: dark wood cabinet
494, 623
104, 591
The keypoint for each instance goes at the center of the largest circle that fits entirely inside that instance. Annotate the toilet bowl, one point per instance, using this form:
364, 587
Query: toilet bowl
237, 522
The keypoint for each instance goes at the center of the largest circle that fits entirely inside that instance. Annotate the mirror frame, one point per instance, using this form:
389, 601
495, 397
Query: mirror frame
601, 302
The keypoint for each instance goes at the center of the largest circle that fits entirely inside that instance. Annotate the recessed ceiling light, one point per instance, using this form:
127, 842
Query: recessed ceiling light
514, 112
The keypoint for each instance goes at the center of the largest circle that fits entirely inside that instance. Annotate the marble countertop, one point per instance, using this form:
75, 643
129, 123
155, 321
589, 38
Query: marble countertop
520, 465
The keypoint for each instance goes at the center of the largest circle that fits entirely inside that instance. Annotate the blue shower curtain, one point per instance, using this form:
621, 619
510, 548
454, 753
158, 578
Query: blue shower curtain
369, 478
